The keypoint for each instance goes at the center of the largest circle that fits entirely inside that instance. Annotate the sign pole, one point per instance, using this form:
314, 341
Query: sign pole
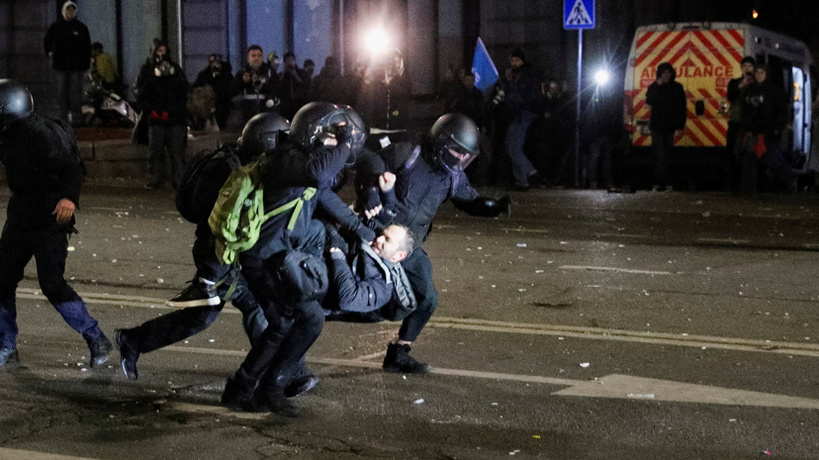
577, 111
578, 14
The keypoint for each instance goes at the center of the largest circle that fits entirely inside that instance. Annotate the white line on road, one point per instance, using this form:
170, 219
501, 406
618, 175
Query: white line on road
595, 333
612, 269
723, 240
14, 454
611, 386
525, 230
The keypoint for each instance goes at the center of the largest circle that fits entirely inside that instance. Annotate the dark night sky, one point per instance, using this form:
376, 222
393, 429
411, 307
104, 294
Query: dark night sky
796, 18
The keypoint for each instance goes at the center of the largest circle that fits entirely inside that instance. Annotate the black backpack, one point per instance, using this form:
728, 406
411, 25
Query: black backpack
189, 201
66, 134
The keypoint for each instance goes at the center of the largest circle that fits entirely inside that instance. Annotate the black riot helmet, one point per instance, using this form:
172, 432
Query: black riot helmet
262, 133
15, 102
454, 141
317, 122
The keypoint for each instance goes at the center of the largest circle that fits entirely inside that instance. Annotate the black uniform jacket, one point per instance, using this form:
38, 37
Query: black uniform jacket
41, 169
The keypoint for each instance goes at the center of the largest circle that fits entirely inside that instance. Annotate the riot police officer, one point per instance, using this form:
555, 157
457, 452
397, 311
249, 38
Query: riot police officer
203, 298
427, 175
44, 173
294, 321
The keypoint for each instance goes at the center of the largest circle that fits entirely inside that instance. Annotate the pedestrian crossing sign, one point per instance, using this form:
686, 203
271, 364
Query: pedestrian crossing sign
578, 14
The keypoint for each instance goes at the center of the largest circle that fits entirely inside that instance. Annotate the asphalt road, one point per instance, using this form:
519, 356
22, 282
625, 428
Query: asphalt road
588, 325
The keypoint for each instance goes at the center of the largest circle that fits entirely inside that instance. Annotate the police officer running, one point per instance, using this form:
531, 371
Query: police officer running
202, 300
44, 173
427, 175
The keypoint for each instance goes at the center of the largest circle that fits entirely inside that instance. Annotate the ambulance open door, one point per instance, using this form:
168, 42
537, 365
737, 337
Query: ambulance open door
801, 111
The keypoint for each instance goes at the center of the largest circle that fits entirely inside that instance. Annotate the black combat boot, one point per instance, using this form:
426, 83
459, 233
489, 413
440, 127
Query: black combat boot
238, 393
271, 398
398, 360
100, 348
128, 354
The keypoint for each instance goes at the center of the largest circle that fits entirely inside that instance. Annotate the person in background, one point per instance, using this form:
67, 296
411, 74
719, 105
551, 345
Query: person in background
733, 138
666, 98
163, 98
520, 91
218, 76
68, 44
104, 67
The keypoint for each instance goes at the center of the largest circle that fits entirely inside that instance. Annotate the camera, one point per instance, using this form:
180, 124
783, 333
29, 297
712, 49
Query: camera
257, 81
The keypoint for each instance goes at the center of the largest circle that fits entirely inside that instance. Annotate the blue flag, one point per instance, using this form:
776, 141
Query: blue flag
486, 74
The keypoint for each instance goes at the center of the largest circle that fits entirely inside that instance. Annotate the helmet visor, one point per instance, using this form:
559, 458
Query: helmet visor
269, 140
455, 158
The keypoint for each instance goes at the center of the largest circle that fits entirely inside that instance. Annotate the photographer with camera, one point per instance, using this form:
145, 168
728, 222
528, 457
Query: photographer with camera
218, 76
163, 96
255, 86
735, 89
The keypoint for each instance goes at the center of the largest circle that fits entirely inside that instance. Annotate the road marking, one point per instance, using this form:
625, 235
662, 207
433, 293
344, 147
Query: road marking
525, 230
622, 235
33, 455
612, 269
722, 240
594, 333
629, 387
611, 386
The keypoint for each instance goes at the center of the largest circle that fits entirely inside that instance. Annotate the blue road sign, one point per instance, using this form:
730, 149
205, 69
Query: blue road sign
578, 14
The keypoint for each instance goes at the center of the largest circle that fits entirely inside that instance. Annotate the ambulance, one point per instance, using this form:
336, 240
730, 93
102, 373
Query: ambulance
706, 56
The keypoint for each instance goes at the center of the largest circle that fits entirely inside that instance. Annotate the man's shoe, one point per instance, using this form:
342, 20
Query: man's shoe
100, 348
300, 385
238, 394
271, 399
197, 294
398, 360
9, 356
128, 355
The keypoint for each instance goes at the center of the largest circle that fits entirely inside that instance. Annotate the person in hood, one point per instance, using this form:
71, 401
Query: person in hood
666, 98
163, 97
68, 44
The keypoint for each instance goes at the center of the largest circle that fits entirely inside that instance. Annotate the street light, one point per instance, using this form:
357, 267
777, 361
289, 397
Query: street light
376, 41
602, 77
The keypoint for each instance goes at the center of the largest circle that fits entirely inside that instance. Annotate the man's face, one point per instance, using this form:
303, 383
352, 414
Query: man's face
665, 77
160, 51
215, 63
468, 81
310, 69
387, 245
760, 75
515, 62
553, 89
747, 68
289, 62
70, 13
255, 58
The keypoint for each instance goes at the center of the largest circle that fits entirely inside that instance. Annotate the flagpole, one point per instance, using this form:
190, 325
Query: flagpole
577, 111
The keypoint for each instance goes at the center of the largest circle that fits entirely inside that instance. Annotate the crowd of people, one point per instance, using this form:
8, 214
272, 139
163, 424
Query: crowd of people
303, 256
311, 259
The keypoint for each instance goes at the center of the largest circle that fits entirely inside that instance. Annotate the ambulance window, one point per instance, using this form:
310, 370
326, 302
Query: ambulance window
779, 73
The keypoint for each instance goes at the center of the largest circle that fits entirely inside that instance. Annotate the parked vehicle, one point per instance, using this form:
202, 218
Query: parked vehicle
706, 56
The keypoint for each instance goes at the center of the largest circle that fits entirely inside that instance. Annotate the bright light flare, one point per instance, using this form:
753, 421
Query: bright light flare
602, 77
376, 41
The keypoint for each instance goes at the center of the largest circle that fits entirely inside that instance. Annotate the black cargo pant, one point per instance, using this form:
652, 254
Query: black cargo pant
292, 328
49, 247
